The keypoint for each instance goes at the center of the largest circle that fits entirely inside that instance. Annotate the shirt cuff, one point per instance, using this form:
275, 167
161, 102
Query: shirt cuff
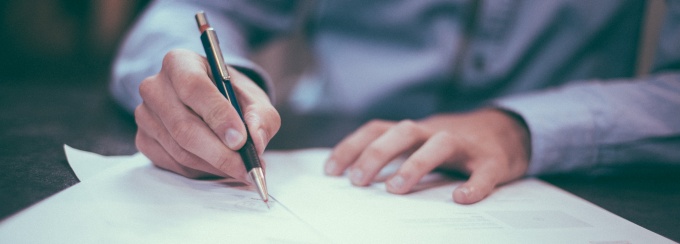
562, 130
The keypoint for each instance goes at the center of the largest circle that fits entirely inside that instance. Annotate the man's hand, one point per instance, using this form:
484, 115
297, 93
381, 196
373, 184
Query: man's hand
489, 145
186, 126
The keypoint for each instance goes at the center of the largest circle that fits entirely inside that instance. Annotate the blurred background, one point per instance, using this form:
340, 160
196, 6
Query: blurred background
61, 38
55, 57
76, 40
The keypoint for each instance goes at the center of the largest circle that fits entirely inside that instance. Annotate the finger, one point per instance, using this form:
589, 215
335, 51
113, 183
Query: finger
160, 158
149, 124
263, 122
349, 149
188, 130
188, 74
480, 184
258, 112
401, 137
262, 119
247, 91
436, 150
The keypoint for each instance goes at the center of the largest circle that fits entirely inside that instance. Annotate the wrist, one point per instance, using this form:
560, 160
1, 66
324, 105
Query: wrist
520, 127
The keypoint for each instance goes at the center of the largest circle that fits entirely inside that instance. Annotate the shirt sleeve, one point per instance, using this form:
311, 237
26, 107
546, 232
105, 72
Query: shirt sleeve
598, 124
601, 123
165, 25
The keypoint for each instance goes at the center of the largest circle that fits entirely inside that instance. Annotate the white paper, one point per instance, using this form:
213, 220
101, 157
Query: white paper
526, 211
134, 202
86, 164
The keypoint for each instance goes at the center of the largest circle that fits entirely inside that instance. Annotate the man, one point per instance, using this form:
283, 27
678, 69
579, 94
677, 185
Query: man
494, 89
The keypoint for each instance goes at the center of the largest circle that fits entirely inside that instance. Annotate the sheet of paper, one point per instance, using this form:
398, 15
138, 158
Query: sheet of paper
526, 211
136, 202
86, 164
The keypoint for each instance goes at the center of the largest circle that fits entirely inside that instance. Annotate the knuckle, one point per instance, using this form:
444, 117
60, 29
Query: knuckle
407, 127
172, 57
147, 87
183, 131
374, 152
138, 111
419, 163
191, 89
215, 115
446, 138
139, 143
341, 151
139, 116
351, 147
176, 66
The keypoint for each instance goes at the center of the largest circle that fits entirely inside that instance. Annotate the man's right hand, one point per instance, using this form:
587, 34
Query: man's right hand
186, 126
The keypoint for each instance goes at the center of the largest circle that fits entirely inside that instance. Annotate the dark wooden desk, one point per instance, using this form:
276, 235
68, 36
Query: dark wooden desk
38, 117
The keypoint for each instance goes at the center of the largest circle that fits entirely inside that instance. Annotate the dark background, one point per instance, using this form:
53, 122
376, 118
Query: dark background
55, 57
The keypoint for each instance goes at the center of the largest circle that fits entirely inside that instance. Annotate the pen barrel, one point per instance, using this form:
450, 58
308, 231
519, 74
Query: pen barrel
222, 80
248, 152
220, 77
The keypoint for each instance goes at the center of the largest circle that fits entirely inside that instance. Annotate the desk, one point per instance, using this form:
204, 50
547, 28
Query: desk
38, 117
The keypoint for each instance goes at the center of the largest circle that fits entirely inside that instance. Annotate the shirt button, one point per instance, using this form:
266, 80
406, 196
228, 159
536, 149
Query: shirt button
479, 62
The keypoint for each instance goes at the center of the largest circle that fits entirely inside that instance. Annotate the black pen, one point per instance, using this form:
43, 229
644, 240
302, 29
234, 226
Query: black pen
223, 82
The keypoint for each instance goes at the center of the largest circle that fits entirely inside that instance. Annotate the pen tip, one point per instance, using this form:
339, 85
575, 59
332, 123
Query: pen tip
267, 203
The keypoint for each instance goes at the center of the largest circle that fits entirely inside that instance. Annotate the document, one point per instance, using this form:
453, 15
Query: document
127, 200
88, 164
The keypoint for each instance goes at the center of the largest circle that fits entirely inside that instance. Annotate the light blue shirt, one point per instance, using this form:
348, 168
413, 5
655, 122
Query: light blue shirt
564, 66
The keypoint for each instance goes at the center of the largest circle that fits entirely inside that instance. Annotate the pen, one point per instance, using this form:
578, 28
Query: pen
223, 82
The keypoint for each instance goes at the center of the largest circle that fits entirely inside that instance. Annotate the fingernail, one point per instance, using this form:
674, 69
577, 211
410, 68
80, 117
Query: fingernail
330, 167
465, 191
233, 138
396, 182
356, 175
